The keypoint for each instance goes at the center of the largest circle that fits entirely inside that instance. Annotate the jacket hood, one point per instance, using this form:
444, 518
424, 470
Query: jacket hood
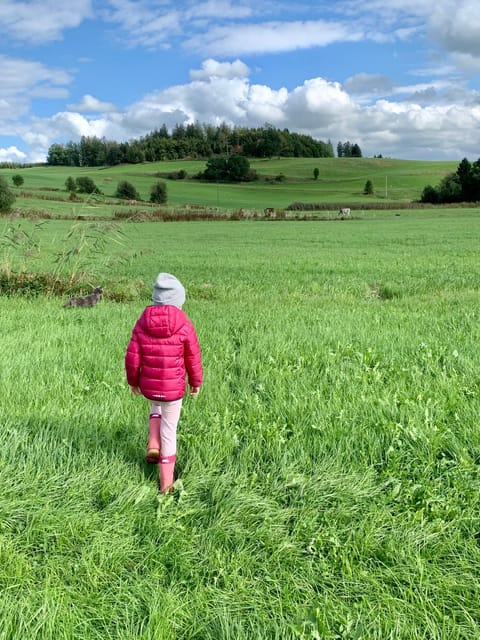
162, 321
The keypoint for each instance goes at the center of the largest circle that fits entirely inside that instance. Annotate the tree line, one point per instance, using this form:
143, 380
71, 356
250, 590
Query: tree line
195, 141
348, 150
463, 185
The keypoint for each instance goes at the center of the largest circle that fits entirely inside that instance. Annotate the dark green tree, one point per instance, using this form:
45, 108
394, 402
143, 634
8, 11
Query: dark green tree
429, 195
356, 152
450, 189
126, 191
86, 185
158, 193
368, 188
57, 155
70, 184
316, 173
238, 168
18, 180
7, 197
216, 169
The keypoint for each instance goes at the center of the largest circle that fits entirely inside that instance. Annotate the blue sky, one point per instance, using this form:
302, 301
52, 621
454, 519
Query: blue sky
399, 77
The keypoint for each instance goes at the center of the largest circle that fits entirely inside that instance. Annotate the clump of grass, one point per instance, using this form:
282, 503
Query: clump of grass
379, 291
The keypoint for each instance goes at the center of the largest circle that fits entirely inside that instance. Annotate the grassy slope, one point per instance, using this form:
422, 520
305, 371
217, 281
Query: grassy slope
329, 467
340, 180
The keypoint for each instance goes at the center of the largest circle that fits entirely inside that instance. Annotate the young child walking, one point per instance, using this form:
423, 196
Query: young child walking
162, 353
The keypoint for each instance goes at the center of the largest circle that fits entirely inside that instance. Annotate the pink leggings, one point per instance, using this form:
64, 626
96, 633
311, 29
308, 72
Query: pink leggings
170, 413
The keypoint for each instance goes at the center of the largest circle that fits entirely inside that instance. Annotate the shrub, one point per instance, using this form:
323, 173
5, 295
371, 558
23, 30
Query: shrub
158, 193
368, 188
7, 197
429, 194
126, 191
17, 180
70, 184
86, 185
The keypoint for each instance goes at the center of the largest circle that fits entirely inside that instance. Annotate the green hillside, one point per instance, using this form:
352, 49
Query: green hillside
281, 182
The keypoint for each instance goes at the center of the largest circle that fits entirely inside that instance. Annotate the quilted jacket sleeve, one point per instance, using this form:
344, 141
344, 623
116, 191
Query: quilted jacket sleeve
133, 359
193, 358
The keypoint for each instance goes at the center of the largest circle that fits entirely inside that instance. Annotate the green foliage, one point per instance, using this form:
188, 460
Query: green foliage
7, 197
70, 184
461, 186
193, 140
127, 191
429, 195
158, 193
348, 150
18, 180
85, 184
316, 173
234, 168
368, 188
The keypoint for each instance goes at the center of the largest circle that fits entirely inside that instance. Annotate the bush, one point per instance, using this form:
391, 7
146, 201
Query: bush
7, 197
86, 185
429, 194
158, 193
126, 191
70, 184
17, 180
368, 188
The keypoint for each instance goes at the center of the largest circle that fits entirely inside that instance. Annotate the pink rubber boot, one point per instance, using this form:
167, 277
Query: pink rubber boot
165, 472
153, 448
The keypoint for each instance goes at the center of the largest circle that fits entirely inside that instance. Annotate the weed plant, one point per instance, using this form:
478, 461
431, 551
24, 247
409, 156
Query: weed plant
328, 473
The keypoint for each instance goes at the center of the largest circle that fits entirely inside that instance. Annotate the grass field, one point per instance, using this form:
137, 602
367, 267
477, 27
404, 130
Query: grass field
328, 473
341, 180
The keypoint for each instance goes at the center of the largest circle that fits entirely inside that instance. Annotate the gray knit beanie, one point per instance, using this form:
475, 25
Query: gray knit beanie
168, 290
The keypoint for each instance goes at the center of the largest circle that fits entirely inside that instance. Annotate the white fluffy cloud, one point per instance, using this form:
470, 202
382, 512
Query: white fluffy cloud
41, 21
12, 154
317, 107
433, 112
93, 105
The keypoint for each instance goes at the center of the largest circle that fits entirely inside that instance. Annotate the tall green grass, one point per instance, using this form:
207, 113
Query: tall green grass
328, 473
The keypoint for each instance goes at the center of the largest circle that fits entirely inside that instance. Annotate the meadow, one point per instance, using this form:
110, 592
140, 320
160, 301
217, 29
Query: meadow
328, 473
282, 181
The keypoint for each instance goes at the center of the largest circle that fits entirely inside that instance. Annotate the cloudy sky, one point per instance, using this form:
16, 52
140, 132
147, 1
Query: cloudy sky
399, 77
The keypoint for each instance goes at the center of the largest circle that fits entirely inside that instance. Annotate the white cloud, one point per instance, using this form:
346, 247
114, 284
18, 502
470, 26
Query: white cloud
12, 154
23, 79
241, 39
318, 107
41, 21
456, 25
368, 83
212, 68
91, 104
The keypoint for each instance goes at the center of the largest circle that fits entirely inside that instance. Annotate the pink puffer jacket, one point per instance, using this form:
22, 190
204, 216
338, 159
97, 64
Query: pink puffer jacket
162, 352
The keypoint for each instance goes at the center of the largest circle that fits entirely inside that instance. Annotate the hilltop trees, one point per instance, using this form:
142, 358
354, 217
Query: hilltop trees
189, 141
461, 186
348, 150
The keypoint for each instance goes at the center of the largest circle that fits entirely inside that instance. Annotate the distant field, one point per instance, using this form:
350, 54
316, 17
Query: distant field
341, 180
